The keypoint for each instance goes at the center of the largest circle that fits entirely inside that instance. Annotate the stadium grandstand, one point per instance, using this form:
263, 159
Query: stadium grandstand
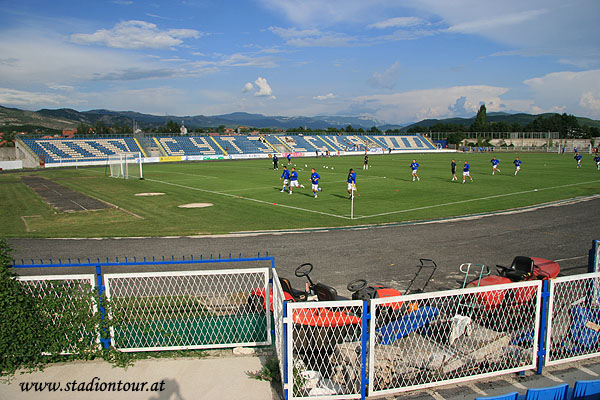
86, 150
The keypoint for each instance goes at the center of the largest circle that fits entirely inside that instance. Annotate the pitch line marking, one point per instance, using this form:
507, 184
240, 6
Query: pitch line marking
472, 200
185, 173
247, 198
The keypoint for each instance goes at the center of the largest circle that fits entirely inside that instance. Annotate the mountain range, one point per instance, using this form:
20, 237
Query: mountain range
65, 118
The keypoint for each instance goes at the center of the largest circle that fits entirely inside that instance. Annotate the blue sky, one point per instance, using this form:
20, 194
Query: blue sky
397, 61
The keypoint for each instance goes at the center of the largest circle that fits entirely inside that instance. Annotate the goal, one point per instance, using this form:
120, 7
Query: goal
124, 165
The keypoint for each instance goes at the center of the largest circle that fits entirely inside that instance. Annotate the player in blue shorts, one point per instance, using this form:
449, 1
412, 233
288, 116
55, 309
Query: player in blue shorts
414, 166
289, 157
286, 177
467, 172
314, 180
495, 163
351, 182
578, 157
597, 161
517, 163
294, 180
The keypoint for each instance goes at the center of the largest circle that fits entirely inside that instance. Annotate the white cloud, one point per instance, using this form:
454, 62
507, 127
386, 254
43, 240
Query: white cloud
312, 37
577, 92
264, 90
27, 99
318, 12
591, 101
136, 35
328, 96
247, 87
415, 105
398, 22
386, 79
490, 23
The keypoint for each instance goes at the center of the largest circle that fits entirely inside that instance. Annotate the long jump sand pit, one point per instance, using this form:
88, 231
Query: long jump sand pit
195, 205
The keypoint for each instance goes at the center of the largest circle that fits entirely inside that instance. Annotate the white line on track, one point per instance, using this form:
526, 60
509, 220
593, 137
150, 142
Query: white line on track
472, 200
246, 198
513, 382
570, 258
552, 377
587, 371
474, 388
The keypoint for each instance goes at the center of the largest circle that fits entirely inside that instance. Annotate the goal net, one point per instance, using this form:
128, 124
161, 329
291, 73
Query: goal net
125, 165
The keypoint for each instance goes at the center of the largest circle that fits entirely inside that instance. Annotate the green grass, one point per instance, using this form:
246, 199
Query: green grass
246, 194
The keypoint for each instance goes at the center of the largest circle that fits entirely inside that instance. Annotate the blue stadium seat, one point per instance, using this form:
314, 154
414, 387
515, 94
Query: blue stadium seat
71, 150
558, 392
586, 390
508, 396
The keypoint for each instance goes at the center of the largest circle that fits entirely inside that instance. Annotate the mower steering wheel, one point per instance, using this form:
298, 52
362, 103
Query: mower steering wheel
356, 285
303, 270
502, 268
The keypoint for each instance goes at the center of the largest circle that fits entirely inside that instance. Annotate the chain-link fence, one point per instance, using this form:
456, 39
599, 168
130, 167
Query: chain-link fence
188, 309
324, 349
278, 318
423, 340
68, 301
574, 318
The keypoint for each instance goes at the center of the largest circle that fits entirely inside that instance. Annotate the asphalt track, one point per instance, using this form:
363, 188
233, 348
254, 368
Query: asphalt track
389, 254
562, 231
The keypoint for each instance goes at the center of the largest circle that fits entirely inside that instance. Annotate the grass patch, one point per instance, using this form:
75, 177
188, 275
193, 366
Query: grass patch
246, 194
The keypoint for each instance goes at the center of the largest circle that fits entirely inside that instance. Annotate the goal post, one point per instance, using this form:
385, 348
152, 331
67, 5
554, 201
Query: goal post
125, 165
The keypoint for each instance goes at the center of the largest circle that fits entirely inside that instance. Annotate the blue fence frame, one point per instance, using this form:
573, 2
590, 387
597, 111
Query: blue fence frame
98, 264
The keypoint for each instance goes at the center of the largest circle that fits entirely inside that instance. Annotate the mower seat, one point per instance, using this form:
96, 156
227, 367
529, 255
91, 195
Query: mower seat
298, 295
324, 292
520, 269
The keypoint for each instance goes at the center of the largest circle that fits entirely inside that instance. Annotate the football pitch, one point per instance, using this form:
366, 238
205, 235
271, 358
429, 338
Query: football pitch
246, 195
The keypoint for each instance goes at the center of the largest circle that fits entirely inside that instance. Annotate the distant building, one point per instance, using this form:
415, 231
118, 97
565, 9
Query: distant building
69, 133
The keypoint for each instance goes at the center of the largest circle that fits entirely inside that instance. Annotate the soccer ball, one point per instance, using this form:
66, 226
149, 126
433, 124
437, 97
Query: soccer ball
331, 167
305, 166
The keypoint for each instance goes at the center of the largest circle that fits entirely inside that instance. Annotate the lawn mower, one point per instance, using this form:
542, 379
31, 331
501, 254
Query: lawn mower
522, 269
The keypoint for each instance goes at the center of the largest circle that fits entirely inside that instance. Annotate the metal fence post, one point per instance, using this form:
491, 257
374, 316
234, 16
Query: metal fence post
104, 340
285, 353
543, 325
364, 381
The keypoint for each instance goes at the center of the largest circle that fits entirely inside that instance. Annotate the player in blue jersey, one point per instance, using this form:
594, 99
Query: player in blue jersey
597, 161
414, 166
351, 182
517, 163
286, 177
314, 180
453, 170
495, 167
467, 172
294, 180
289, 157
578, 157
275, 161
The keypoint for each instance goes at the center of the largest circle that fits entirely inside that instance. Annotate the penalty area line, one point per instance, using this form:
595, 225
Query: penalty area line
473, 200
248, 198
